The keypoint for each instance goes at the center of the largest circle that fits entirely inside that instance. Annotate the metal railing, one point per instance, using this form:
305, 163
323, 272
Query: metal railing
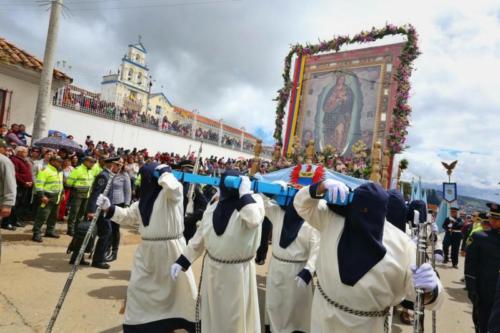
110, 111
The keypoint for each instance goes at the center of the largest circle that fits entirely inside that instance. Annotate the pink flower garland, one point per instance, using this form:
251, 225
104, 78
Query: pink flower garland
401, 112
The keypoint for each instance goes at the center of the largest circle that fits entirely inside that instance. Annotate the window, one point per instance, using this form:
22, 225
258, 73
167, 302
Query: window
130, 74
139, 78
138, 58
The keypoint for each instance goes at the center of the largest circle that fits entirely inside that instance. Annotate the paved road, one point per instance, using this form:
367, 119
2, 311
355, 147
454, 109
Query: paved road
32, 276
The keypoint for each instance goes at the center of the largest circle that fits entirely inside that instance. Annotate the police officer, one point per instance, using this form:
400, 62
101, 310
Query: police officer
494, 323
199, 201
453, 235
111, 166
482, 265
48, 187
80, 181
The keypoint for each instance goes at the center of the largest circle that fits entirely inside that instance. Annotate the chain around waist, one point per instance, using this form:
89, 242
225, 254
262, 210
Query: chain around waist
289, 261
230, 261
359, 313
160, 239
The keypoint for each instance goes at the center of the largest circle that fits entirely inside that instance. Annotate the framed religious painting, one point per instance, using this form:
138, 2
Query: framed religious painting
346, 102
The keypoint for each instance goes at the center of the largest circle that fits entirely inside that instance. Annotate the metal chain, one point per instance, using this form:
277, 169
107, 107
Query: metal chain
159, 239
229, 261
371, 314
198, 298
289, 261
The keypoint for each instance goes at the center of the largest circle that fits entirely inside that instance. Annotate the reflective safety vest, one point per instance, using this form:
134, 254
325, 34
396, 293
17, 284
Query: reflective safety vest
96, 169
49, 182
137, 181
80, 179
476, 227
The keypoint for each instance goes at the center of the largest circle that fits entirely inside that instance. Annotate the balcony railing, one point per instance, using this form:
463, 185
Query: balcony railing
108, 110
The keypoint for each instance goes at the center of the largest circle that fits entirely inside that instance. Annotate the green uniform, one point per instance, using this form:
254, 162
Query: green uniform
96, 170
49, 183
80, 180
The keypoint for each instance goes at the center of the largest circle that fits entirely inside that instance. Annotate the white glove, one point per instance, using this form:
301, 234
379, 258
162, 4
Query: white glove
424, 277
438, 256
334, 188
175, 269
245, 186
435, 228
103, 202
281, 183
300, 283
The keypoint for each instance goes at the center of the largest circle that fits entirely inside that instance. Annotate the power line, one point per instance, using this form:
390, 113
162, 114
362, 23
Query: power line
71, 5
158, 5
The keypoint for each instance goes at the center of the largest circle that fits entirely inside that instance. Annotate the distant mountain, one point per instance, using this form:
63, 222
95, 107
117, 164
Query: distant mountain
474, 199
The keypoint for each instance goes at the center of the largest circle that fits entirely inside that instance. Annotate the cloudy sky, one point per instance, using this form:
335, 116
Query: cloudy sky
225, 59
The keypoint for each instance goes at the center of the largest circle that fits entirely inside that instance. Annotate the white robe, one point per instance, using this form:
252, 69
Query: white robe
152, 294
288, 307
385, 285
228, 292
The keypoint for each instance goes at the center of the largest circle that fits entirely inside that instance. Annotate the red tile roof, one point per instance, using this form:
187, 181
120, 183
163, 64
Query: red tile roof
11, 54
208, 121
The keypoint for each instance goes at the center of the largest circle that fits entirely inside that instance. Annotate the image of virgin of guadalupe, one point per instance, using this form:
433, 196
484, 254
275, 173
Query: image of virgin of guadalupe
338, 115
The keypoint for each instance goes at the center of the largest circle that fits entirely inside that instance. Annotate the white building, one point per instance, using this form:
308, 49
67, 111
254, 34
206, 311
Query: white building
130, 87
19, 81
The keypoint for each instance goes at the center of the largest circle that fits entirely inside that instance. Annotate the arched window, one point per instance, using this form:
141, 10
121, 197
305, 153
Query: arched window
130, 74
139, 78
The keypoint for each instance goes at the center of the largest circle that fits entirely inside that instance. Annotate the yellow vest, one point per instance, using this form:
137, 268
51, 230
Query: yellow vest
49, 182
81, 180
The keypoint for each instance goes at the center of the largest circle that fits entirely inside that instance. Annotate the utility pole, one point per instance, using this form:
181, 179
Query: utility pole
42, 112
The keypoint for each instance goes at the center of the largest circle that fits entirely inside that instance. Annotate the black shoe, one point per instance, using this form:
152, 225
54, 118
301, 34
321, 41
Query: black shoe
37, 238
51, 235
19, 225
445, 261
70, 233
112, 257
260, 262
9, 227
455, 266
100, 265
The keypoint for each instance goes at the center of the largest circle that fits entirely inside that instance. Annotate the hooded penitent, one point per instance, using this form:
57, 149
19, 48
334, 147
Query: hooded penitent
292, 223
397, 209
419, 206
229, 201
361, 243
149, 190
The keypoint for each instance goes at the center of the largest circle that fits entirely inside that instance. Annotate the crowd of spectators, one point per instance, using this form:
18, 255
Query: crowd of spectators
29, 161
132, 114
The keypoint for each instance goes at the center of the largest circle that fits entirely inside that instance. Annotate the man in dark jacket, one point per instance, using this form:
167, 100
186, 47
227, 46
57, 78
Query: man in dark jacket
111, 166
24, 180
482, 265
453, 235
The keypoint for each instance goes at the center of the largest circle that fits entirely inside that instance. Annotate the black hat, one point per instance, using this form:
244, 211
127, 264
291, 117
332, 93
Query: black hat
3, 144
494, 209
55, 158
455, 208
483, 217
89, 158
115, 159
185, 164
